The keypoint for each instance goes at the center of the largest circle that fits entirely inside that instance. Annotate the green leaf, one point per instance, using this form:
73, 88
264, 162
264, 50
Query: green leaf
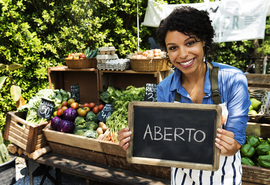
2, 66
15, 92
2, 81
14, 66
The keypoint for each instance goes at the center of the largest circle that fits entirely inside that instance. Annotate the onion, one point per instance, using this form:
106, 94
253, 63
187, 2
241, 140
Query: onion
66, 126
70, 114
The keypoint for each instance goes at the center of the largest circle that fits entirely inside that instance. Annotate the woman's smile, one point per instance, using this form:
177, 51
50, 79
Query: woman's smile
187, 63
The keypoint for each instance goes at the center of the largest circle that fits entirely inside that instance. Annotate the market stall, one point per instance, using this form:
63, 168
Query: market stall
90, 105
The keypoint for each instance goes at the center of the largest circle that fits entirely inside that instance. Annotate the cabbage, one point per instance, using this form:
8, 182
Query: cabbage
54, 122
70, 114
66, 126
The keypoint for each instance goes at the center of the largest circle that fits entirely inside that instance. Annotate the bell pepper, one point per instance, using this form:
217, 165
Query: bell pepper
264, 161
247, 161
253, 140
263, 148
247, 150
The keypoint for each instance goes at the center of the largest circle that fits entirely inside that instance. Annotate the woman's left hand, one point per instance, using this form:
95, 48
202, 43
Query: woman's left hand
225, 141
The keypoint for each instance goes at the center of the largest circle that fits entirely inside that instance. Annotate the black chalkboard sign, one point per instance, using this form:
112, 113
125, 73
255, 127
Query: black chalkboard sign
75, 92
150, 92
174, 134
45, 109
105, 113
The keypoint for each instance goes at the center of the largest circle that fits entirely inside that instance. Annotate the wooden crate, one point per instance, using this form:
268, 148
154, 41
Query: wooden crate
79, 153
76, 146
256, 174
258, 129
116, 157
260, 81
123, 79
62, 77
74, 140
27, 136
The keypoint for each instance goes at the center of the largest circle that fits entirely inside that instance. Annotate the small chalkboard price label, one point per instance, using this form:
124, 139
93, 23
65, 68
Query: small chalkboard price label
75, 92
105, 113
45, 109
178, 135
150, 92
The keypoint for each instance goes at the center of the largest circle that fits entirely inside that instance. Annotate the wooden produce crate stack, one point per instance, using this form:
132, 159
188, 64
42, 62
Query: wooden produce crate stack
258, 126
27, 136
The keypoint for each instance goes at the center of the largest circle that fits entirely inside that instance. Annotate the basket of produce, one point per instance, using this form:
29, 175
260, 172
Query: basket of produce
259, 105
82, 60
255, 159
75, 131
149, 60
24, 127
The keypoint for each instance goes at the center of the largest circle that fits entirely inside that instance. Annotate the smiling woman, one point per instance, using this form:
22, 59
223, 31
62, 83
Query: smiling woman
187, 36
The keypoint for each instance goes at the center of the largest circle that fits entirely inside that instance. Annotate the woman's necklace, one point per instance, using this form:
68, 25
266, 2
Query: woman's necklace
192, 96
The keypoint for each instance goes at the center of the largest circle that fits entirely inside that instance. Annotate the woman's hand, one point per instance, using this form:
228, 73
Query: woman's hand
124, 138
225, 141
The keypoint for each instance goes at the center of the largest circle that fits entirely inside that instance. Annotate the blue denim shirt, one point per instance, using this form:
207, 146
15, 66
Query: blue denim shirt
233, 88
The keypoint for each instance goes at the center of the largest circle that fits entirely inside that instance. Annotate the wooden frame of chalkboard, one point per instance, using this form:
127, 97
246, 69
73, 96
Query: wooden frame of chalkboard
174, 134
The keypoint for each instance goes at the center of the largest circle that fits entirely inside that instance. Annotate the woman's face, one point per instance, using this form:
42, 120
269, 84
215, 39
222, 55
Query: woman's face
185, 52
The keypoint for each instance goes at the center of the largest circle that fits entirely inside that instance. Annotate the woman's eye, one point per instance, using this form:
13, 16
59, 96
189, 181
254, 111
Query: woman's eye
190, 43
172, 48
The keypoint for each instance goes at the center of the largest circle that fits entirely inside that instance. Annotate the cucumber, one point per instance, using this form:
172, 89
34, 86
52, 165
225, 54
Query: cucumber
94, 53
90, 53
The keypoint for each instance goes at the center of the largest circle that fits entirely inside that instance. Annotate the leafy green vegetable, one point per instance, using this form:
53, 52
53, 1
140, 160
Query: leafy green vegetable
120, 100
91, 133
90, 116
32, 106
79, 121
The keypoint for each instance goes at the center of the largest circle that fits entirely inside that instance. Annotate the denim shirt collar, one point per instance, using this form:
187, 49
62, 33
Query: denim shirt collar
176, 83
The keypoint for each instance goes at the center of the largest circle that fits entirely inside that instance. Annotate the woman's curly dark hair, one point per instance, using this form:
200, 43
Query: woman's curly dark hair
188, 20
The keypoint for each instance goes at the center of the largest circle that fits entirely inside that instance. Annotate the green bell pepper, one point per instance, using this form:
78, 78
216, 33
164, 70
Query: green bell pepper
263, 148
247, 161
247, 150
264, 161
253, 140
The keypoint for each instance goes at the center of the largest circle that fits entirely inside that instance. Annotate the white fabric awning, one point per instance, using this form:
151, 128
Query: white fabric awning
233, 20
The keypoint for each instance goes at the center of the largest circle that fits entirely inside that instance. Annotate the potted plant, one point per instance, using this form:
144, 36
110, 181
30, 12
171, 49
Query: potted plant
7, 164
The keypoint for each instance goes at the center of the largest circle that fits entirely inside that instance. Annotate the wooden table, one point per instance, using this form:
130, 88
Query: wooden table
90, 171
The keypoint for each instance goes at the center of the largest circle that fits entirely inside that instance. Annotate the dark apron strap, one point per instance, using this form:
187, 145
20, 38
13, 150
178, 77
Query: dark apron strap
213, 71
177, 96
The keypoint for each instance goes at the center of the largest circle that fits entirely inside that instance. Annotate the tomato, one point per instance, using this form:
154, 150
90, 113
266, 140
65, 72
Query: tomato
60, 112
86, 105
82, 55
100, 107
81, 112
60, 107
92, 105
64, 108
54, 113
95, 110
71, 55
64, 103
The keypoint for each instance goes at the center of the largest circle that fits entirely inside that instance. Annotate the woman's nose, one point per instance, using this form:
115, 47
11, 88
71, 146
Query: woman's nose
183, 53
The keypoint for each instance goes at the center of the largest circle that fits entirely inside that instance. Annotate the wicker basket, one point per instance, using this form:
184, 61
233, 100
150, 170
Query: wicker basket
82, 63
261, 95
149, 65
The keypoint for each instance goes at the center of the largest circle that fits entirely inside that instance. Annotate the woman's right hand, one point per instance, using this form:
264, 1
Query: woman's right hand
124, 137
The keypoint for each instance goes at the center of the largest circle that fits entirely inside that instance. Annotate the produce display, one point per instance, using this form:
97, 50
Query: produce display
256, 152
70, 117
120, 100
255, 106
148, 54
31, 108
88, 53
